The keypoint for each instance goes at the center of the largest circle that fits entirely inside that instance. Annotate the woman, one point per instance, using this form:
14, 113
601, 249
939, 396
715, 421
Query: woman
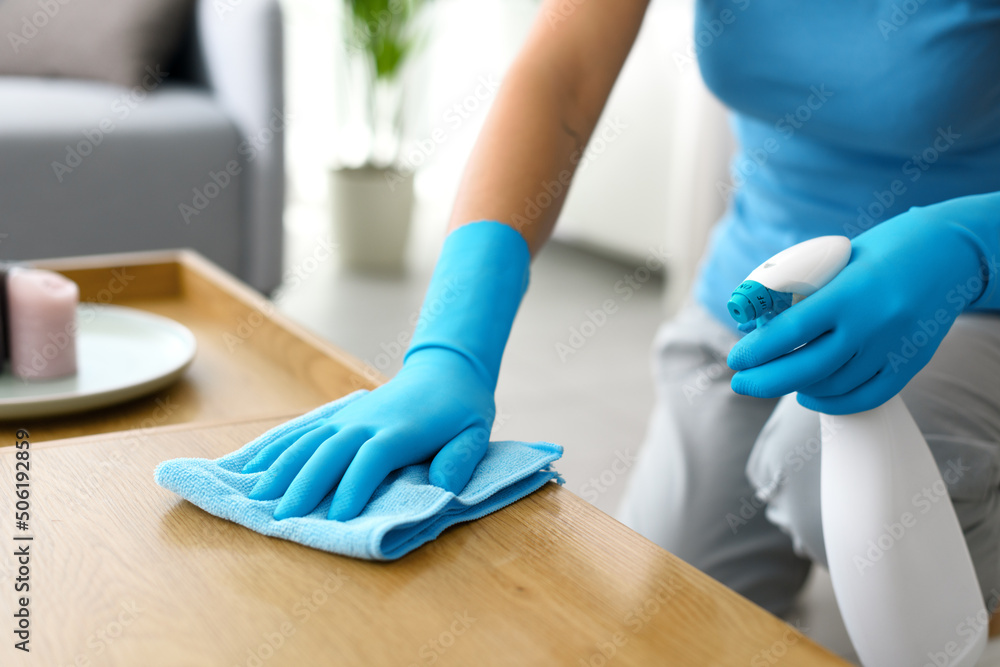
848, 115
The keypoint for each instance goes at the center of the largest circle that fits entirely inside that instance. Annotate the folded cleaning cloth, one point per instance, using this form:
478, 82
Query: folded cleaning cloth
405, 512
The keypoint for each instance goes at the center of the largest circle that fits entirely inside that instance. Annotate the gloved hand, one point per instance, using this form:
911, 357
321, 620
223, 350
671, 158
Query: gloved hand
439, 405
858, 340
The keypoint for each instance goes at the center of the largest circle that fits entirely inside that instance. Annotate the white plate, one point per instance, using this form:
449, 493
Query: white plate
122, 353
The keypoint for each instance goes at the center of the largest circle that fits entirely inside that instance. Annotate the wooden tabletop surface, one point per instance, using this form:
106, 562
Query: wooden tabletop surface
123, 572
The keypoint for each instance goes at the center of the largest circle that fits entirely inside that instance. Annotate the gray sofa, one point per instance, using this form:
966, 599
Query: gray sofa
194, 159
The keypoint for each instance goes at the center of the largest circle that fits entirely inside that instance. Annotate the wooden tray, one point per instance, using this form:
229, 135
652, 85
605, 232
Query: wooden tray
252, 362
124, 573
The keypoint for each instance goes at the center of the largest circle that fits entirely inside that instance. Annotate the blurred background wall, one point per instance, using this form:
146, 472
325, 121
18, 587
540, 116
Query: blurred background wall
651, 184
648, 189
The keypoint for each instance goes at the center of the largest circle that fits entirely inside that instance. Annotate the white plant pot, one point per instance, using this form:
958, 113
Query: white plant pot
372, 208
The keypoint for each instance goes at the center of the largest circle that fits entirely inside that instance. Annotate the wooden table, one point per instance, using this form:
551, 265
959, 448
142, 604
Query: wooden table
123, 572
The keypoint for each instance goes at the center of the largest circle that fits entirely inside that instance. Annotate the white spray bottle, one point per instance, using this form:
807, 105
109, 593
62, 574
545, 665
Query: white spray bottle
901, 570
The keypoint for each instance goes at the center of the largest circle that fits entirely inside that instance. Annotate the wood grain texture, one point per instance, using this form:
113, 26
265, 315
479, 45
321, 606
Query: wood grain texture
251, 361
125, 573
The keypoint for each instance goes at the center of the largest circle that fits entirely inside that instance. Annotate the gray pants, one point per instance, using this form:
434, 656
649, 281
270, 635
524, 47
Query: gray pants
730, 483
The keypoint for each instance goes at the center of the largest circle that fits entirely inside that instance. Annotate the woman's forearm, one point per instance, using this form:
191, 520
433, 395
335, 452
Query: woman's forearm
543, 116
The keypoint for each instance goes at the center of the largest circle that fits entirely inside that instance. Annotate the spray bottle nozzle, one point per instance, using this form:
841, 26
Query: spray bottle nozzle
792, 274
741, 308
751, 300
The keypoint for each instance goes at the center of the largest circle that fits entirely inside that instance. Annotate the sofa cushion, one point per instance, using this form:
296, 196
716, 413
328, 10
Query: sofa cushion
111, 40
65, 110
85, 167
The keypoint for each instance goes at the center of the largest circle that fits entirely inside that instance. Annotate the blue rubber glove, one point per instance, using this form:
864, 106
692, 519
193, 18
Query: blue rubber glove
857, 341
439, 406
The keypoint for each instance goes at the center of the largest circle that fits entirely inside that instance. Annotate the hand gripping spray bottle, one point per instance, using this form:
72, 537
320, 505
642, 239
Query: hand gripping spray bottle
901, 572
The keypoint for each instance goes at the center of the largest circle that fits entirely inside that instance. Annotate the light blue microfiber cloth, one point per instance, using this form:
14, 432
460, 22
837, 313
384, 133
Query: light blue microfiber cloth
405, 512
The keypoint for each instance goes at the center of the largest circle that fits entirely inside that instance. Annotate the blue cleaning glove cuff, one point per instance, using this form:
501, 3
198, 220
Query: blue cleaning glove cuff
480, 278
985, 282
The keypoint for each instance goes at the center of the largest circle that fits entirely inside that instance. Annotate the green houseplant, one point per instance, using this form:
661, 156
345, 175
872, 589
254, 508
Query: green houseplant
373, 202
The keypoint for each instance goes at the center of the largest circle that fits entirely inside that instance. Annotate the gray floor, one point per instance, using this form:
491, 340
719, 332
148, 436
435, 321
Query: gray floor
594, 402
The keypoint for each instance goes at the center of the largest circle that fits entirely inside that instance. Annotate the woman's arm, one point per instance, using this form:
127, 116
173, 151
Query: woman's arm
545, 111
440, 405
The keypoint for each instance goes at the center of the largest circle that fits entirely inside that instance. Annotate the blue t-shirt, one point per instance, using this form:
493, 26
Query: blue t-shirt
847, 113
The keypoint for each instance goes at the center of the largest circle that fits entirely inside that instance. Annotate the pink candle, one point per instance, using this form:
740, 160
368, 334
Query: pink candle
41, 307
